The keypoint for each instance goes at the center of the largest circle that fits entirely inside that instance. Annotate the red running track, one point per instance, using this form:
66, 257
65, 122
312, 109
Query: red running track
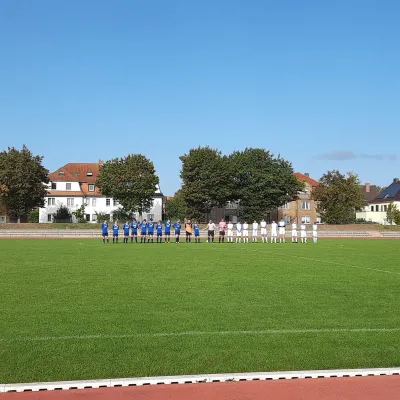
357, 388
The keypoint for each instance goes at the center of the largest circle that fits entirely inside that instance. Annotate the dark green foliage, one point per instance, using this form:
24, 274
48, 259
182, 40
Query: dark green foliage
120, 214
393, 214
339, 197
63, 214
131, 180
22, 181
262, 182
101, 216
33, 216
206, 180
80, 214
176, 207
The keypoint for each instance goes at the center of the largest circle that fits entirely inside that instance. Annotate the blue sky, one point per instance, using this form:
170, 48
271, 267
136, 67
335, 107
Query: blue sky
316, 81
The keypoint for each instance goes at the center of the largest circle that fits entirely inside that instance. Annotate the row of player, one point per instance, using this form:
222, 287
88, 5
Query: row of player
149, 228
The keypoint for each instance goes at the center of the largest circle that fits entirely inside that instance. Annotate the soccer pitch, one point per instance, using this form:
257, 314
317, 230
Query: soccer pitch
81, 309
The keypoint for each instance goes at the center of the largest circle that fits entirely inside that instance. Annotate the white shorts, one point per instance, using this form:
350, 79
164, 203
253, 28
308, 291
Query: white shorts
294, 233
255, 232
245, 233
238, 233
281, 231
315, 234
230, 233
274, 234
263, 231
303, 234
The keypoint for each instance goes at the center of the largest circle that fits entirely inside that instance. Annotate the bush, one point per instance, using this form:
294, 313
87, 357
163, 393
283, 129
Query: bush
80, 215
62, 215
33, 217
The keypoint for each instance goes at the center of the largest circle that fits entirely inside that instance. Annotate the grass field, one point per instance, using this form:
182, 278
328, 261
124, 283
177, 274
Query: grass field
79, 309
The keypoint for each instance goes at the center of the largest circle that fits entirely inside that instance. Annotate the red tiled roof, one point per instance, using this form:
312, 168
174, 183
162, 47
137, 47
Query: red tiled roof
304, 178
76, 172
63, 193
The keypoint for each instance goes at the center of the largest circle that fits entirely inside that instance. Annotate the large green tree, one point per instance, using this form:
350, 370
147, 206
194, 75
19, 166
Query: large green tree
393, 214
206, 180
131, 180
22, 181
338, 197
176, 207
262, 182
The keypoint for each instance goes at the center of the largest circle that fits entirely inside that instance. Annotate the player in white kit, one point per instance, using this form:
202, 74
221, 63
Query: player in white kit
239, 230
315, 232
245, 232
281, 231
230, 232
255, 231
264, 236
274, 231
303, 233
294, 232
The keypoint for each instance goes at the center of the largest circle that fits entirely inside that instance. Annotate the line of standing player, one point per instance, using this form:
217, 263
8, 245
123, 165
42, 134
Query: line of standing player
148, 229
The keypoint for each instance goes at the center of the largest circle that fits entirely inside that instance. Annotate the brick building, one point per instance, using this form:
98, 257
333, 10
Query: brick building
304, 209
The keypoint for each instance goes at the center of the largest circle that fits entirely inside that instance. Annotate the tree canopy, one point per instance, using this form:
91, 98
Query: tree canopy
22, 181
176, 207
338, 197
255, 178
262, 182
393, 214
206, 180
131, 180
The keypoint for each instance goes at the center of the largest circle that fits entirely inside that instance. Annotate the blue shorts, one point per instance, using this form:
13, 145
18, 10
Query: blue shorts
134, 233
177, 232
143, 233
197, 234
167, 233
104, 234
115, 234
126, 233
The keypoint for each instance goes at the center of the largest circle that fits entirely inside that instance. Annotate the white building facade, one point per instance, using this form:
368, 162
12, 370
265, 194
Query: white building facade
73, 185
376, 210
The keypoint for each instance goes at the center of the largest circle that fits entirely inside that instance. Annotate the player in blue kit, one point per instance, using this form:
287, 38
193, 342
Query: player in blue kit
159, 232
167, 231
134, 227
126, 231
143, 231
104, 231
150, 230
196, 228
177, 226
115, 232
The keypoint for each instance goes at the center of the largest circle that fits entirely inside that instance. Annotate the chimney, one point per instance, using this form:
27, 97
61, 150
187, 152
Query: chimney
396, 180
367, 187
101, 162
307, 174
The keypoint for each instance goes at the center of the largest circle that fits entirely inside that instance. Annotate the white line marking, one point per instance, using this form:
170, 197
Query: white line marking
198, 333
343, 265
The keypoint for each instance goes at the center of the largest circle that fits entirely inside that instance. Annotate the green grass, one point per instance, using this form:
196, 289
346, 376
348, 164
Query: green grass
57, 289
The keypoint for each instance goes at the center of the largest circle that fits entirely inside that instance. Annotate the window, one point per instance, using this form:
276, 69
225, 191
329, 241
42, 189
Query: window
88, 217
94, 217
286, 218
89, 173
49, 217
319, 220
61, 173
150, 216
3, 219
286, 206
67, 186
53, 186
91, 188
385, 208
305, 219
305, 205
115, 202
108, 202
70, 202
93, 202
51, 201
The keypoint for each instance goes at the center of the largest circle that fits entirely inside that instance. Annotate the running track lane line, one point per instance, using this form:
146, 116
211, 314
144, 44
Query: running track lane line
356, 388
198, 333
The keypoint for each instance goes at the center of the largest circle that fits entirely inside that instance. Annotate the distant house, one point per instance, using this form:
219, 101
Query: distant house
304, 209
74, 185
369, 191
376, 209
